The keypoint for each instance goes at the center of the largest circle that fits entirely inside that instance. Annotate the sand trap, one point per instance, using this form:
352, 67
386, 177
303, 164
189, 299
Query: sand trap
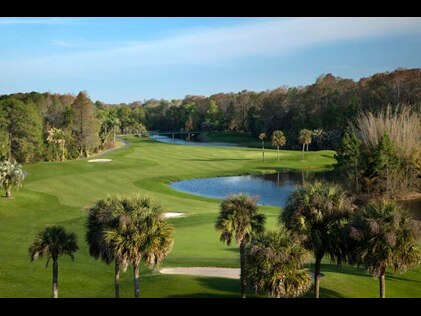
99, 160
173, 214
231, 273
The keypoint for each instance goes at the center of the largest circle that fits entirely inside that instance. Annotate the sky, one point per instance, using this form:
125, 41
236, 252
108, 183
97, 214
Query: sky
126, 59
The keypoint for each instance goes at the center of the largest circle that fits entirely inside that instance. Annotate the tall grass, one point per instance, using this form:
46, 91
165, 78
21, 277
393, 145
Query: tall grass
402, 125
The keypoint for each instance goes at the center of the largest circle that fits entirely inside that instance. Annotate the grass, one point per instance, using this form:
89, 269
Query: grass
60, 193
243, 139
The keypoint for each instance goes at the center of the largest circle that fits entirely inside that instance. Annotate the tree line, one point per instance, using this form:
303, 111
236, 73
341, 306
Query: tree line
53, 127
327, 106
44, 126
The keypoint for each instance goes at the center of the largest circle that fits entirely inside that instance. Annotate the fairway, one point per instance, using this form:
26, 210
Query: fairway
61, 192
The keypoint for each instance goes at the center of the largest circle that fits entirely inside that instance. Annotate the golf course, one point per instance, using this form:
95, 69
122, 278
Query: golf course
60, 193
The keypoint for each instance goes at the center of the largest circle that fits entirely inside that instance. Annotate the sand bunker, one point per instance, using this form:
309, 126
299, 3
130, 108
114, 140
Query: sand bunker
99, 160
173, 214
231, 273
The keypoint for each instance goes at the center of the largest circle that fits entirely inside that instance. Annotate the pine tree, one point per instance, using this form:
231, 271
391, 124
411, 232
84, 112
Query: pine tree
85, 124
21, 128
384, 163
349, 159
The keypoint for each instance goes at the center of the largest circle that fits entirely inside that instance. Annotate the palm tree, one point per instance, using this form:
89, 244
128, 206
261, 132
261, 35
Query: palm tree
141, 234
58, 137
305, 139
115, 125
189, 126
275, 265
278, 139
381, 236
102, 216
317, 213
240, 215
52, 243
11, 175
262, 137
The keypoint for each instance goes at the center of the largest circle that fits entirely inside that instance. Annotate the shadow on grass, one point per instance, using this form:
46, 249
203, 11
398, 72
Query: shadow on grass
344, 269
215, 159
393, 277
228, 288
236, 250
361, 272
324, 293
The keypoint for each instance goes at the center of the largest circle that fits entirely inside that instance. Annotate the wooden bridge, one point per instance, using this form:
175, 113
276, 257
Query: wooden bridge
173, 133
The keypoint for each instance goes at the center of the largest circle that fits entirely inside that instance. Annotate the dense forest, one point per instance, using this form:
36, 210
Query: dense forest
328, 105
44, 126
35, 126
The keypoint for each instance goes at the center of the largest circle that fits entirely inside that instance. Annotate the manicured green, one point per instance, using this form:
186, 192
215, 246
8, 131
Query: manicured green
243, 139
60, 193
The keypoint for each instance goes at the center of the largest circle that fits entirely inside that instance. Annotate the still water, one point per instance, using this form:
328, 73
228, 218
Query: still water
178, 141
270, 189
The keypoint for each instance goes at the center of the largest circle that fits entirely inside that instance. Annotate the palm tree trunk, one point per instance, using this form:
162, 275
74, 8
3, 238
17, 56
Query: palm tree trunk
117, 278
8, 192
317, 277
136, 279
263, 150
55, 278
307, 147
62, 152
382, 283
243, 269
277, 153
9, 152
302, 153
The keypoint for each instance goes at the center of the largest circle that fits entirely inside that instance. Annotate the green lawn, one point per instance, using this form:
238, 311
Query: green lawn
60, 193
243, 139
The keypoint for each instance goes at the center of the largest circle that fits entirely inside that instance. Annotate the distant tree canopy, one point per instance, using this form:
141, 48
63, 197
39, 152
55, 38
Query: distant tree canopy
29, 120
328, 106
85, 125
20, 130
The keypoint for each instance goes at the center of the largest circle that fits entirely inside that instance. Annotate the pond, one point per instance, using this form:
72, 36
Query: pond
193, 142
270, 189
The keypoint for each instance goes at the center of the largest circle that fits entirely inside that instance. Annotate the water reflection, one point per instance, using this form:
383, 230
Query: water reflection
270, 189
178, 141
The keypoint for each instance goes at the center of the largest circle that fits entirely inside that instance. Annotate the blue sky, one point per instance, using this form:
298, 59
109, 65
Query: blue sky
125, 59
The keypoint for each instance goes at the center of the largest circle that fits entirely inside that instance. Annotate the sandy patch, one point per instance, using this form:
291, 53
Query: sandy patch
173, 214
99, 160
231, 273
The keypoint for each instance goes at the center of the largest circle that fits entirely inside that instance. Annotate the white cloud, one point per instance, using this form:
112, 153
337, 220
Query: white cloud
268, 37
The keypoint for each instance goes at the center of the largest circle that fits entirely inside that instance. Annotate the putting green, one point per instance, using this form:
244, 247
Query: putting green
60, 193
